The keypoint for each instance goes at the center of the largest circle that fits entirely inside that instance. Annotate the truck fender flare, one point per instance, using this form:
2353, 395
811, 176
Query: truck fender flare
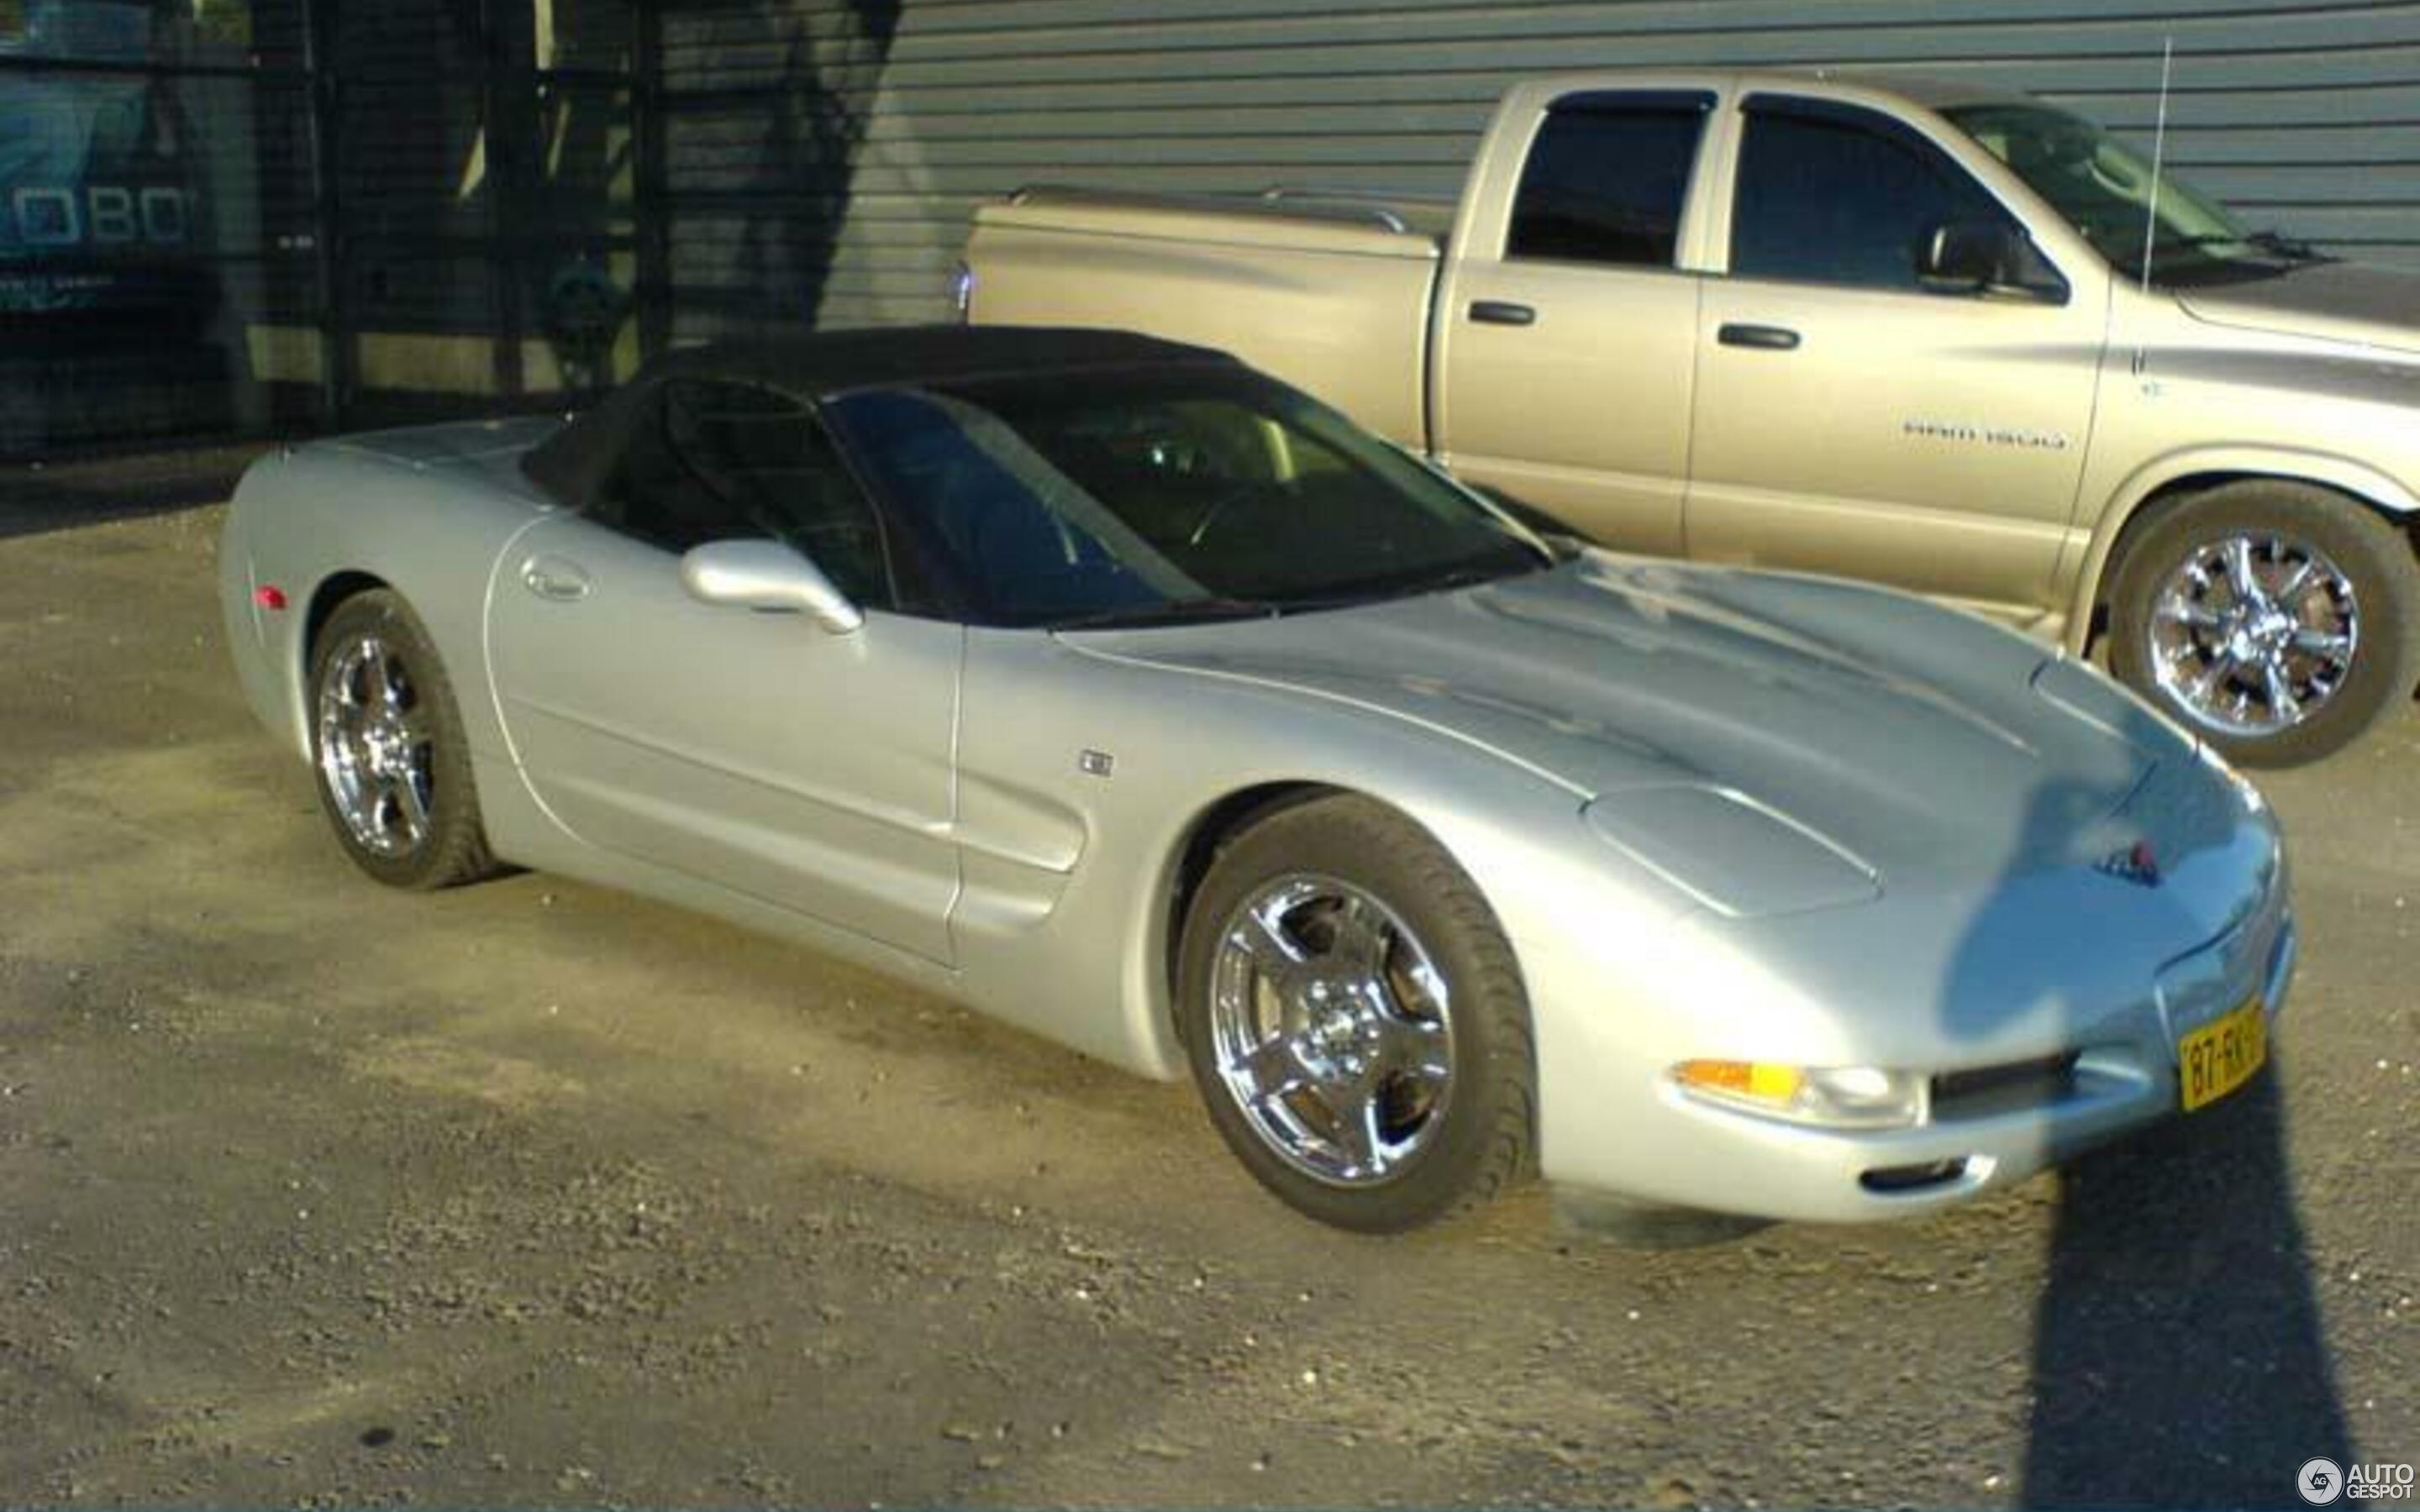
2215, 465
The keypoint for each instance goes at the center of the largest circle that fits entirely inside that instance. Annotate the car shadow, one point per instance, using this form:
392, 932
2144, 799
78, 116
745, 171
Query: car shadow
2179, 1354
2179, 1357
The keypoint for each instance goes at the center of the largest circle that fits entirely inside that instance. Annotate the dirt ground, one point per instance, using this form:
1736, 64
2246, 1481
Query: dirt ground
314, 1193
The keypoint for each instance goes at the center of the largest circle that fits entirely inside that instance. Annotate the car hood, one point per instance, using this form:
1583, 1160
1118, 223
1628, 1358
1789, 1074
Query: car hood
2376, 307
1900, 736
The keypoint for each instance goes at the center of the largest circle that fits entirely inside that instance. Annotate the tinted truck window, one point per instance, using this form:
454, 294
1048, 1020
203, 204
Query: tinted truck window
1826, 198
1606, 183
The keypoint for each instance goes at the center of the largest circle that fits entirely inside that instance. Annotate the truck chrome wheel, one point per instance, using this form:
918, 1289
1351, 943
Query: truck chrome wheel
2278, 619
375, 754
2254, 634
1332, 1030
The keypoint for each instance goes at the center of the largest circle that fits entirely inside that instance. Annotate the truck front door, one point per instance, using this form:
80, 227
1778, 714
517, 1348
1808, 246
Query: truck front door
1854, 417
1562, 343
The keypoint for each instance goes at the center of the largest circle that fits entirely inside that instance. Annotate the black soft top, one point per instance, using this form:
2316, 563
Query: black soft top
573, 465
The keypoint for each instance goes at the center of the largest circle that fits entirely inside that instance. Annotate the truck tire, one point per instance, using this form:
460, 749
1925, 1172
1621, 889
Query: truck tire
2276, 619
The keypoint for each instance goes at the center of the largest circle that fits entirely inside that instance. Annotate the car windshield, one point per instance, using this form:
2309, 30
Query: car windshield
2103, 189
1154, 495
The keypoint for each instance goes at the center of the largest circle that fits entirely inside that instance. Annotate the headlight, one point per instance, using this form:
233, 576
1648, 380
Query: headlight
1835, 1097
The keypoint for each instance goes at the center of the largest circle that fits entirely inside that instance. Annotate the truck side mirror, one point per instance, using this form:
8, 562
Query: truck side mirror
1985, 258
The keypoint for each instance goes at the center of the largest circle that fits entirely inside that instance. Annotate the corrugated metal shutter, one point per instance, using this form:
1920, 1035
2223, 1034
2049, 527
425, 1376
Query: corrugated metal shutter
823, 155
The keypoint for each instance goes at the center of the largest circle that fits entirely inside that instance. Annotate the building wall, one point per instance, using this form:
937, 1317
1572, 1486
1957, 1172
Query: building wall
133, 199
483, 204
823, 155
507, 202
384, 211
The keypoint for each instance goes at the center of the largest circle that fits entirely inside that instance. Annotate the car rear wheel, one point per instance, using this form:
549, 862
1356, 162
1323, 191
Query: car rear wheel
1354, 1019
387, 747
2276, 619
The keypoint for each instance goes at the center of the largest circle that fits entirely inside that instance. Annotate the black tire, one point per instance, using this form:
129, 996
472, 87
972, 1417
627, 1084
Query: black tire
432, 838
1464, 1143
2370, 556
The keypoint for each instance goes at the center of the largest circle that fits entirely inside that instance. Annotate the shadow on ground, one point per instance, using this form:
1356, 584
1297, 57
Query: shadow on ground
2178, 1355
36, 497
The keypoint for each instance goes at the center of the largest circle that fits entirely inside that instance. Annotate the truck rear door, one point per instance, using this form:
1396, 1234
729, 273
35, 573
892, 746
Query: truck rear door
1854, 418
1563, 338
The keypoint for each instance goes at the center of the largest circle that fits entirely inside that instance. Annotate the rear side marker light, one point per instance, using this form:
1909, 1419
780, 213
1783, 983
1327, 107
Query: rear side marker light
269, 596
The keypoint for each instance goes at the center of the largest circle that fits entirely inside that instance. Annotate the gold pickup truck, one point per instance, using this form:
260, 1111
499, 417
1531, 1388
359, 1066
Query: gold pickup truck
1941, 338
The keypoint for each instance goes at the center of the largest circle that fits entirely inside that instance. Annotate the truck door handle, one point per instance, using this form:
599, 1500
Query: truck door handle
1762, 338
1503, 313
553, 578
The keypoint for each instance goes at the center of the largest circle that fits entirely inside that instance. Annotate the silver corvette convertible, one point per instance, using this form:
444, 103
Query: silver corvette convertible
1135, 699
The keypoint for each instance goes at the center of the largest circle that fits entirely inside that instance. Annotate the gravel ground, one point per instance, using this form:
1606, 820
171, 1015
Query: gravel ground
314, 1193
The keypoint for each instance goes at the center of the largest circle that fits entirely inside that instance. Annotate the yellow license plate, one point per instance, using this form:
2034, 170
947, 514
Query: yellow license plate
2222, 1054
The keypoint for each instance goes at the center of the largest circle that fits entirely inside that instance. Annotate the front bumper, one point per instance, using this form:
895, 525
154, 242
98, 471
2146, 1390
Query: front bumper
1994, 1119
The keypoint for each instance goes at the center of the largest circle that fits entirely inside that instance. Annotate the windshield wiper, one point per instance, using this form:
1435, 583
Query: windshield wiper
1168, 611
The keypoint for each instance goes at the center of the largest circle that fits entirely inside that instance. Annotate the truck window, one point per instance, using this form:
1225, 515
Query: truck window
1607, 180
1828, 195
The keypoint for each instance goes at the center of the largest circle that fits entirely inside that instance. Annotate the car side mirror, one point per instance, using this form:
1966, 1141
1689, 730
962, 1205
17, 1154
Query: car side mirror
1985, 258
767, 575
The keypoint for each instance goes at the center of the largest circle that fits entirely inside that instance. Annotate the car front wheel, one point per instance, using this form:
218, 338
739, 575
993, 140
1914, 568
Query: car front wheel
2276, 619
387, 747
1354, 1019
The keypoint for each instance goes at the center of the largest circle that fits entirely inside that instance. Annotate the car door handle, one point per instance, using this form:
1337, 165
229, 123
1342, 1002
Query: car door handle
1503, 313
1760, 338
553, 578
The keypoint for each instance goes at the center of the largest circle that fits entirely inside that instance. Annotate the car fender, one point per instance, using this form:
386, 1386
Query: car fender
1033, 920
306, 520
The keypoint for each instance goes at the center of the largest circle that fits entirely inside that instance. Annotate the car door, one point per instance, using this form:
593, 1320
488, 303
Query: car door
1850, 418
1564, 342
754, 750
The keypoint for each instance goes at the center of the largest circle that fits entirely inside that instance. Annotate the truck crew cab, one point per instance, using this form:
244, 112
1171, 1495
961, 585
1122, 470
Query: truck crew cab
1948, 338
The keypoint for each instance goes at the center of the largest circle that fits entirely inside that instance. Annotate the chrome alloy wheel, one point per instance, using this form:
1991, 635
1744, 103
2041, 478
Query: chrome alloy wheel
2251, 635
375, 751
1332, 1030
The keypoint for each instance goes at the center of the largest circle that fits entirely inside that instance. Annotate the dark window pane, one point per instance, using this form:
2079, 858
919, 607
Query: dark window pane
730, 462
1826, 200
1133, 491
129, 208
1607, 186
